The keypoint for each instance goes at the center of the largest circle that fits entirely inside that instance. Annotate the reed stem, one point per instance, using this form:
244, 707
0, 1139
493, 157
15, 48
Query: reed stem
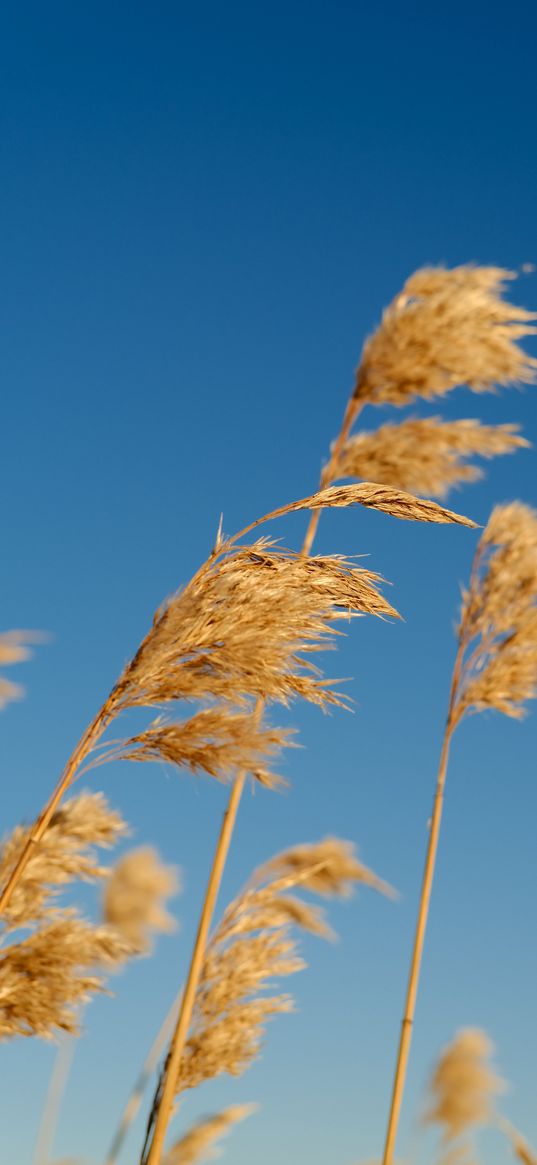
177, 1046
421, 925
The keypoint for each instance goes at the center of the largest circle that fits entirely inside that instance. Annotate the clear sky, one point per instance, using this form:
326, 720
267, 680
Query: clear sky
204, 209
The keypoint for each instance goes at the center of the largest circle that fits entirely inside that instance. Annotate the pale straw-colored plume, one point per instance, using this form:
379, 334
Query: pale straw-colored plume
447, 327
46, 977
498, 627
135, 895
14, 649
253, 946
426, 456
67, 852
234, 634
463, 1088
198, 1144
217, 741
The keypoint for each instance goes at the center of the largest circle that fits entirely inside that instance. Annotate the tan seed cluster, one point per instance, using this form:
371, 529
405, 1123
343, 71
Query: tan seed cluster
426, 456
252, 947
463, 1086
13, 649
135, 895
198, 1143
446, 328
498, 628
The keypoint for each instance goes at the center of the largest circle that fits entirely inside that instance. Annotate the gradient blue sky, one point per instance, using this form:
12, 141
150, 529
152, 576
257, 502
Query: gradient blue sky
203, 211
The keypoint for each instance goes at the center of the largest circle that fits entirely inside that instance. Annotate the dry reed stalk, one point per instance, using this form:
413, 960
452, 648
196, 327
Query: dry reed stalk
252, 945
135, 1099
182, 656
462, 1091
399, 505
426, 322
198, 1142
521, 1149
495, 667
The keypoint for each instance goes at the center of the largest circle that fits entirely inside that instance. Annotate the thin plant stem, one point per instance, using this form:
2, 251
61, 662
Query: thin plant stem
135, 1099
196, 965
167, 1084
421, 925
56, 1089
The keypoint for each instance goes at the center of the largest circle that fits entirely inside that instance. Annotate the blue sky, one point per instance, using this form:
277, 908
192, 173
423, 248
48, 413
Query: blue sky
204, 210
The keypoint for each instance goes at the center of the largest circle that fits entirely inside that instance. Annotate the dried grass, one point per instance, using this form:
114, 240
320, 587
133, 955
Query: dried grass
253, 946
66, 853
45, 978
237, 631
498, 627
198, 1143
426, 456
446, 328
463, 1087
135, 895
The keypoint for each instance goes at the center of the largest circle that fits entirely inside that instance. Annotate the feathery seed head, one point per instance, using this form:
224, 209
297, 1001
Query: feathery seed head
198, 1142
498, 628
134, 898
463, 1085
446, 328
425, 456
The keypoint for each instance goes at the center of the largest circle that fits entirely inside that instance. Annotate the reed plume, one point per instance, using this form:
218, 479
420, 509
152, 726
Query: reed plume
428, 455
45, 976
446, 328
495, 667
220, 638
462, 1091
14, 649
198, 1144
253, 946
135, 895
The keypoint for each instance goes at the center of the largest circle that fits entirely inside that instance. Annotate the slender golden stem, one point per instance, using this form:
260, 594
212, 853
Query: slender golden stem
177, 1046
423, 912
56, 1089
135, 1099
329, 473
183, 1022
84, 746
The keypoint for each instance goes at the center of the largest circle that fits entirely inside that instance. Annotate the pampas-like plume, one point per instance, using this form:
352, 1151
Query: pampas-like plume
198, 1142
426, 456
45, 978
135, 895
463, 1087
498, 627
237, 630
217, 741
254, 945
66, 853
446, 328
14, 649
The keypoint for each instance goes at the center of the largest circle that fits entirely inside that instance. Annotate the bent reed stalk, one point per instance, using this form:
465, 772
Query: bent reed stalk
166, 1084
495, 667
